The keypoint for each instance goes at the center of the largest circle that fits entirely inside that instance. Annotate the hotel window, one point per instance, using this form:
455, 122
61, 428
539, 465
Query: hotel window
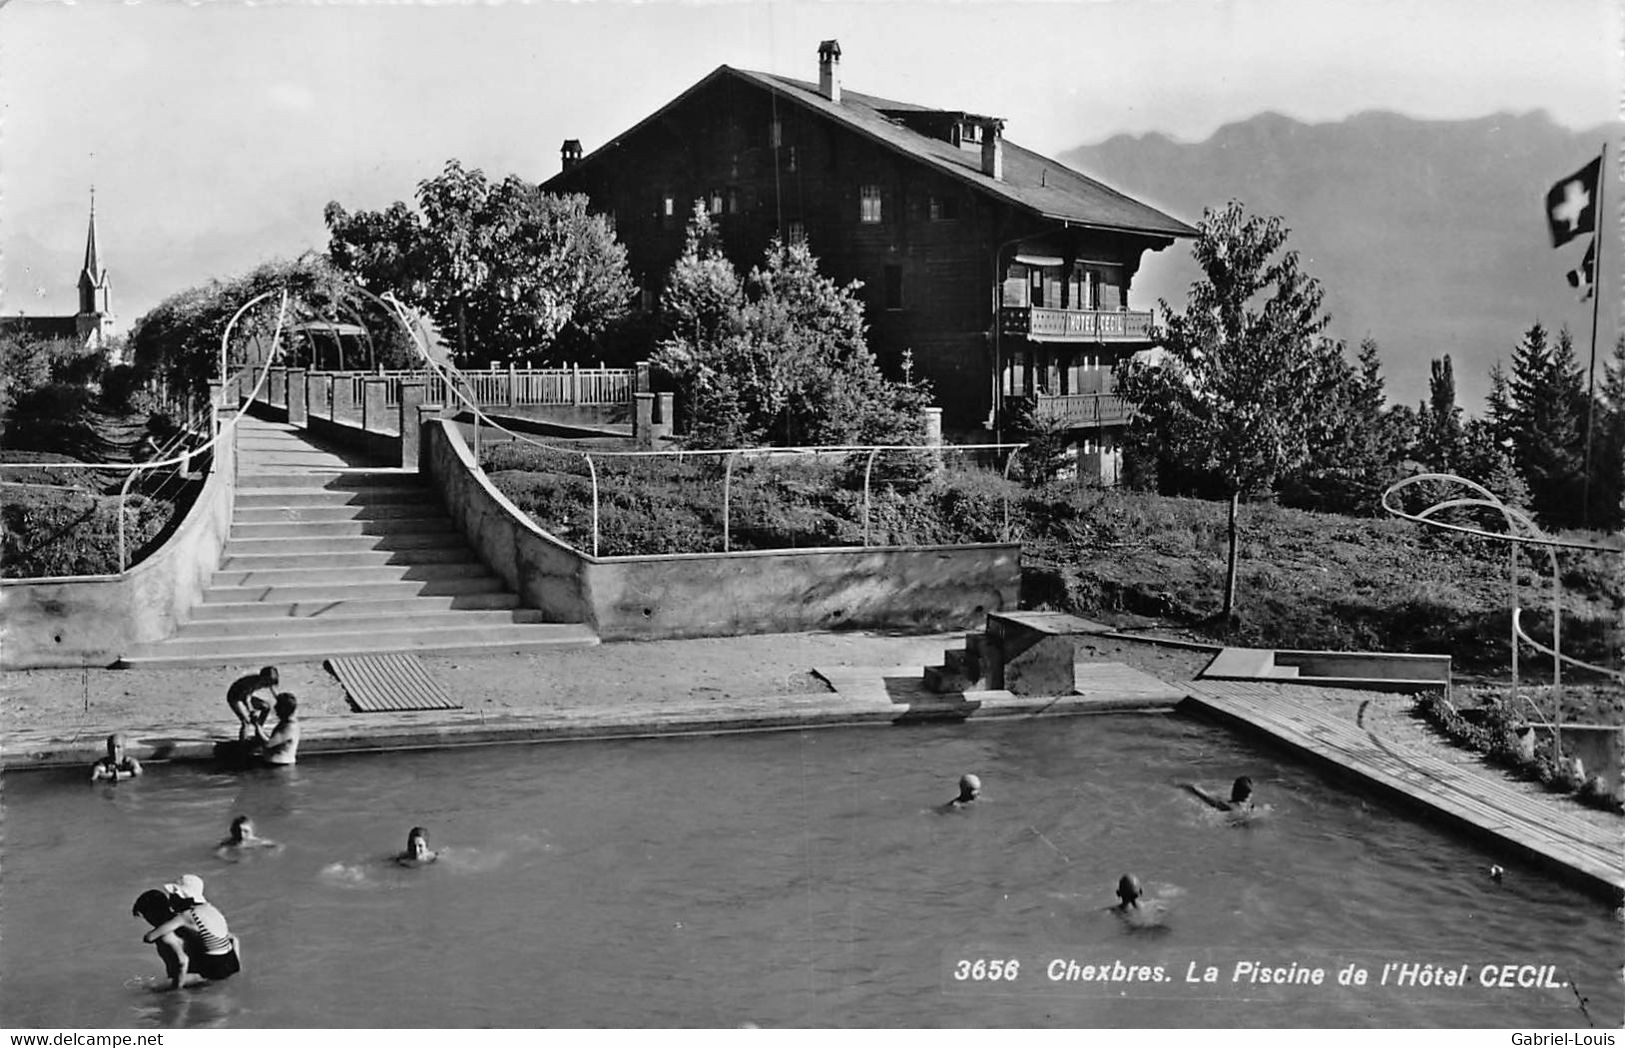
894, 287
796, 232
733, 200
869, 203
714, 202
1015, 285
668, 206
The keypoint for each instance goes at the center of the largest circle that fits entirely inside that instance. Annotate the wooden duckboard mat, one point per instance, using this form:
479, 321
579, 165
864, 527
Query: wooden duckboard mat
1462, 796
389, 683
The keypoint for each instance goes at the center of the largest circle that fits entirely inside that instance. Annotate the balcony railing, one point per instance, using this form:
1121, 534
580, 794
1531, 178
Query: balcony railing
1084, 409
1077, 325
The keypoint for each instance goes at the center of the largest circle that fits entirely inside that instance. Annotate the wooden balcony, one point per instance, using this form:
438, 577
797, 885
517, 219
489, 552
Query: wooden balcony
1076, 325
1084, 409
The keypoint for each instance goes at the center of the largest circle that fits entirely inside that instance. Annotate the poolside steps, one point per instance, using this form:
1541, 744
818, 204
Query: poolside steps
1027, 652
962, 669
325, 558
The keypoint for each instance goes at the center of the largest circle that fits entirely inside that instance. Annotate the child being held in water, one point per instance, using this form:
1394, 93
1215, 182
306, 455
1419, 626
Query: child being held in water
116, 765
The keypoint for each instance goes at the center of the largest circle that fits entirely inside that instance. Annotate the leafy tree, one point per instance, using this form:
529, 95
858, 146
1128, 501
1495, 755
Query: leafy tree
779, 357
510, 272
1233, 390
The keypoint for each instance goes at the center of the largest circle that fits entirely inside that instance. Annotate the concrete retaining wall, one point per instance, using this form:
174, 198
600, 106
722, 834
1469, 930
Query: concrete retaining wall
92, 620
718, 594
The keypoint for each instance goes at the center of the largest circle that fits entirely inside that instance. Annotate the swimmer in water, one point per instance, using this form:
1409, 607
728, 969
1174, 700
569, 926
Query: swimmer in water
417, 851
281, 746
243, 836
117, 764
970, 788
1241, 796
1134, 907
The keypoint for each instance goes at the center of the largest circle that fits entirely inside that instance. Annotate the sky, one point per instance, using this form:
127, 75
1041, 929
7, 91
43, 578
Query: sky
214, 135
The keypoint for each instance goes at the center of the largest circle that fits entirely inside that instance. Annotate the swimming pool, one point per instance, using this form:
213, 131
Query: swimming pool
797, 878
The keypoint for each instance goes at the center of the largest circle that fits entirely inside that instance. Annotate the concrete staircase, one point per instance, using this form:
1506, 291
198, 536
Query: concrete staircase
329, 558
963, 669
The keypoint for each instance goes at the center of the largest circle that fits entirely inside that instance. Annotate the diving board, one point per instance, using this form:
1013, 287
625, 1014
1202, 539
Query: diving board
389, 683
1475, 801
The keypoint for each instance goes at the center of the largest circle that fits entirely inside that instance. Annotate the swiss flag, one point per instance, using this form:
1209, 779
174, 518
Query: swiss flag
1571, 205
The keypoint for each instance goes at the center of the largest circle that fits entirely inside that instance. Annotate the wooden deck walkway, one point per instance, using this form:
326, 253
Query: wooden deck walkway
389, 683
1471, 801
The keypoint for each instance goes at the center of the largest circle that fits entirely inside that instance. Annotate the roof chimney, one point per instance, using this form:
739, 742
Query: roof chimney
570, 153
993, 148
829, 70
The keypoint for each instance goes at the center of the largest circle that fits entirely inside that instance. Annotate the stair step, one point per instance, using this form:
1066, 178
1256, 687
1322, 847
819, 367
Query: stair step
333, 480
345, 608
942, 680
345, 529
328, 514
220, 651
331, 590
268, 577
303, 497
346, 560
427, 619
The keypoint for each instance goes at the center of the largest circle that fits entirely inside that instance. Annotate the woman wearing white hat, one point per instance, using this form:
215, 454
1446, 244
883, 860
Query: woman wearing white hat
215, 955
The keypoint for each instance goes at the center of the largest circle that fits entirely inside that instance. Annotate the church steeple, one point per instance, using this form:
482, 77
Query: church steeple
93, 290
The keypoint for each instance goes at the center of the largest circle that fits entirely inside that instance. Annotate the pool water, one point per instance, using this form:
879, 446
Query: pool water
797, 878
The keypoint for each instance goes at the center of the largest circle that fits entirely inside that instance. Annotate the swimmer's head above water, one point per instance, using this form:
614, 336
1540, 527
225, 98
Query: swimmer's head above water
1128, 890
1241, 793
242, 829
287, 704
417, 846
970, 787
115, 747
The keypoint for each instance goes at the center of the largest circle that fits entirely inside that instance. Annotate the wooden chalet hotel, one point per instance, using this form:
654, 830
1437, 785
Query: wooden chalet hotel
1005, 272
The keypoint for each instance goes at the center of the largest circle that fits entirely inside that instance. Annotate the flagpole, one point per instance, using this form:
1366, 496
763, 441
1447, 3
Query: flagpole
1596, 301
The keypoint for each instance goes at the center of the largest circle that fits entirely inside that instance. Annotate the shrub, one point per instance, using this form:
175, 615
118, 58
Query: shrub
45, 533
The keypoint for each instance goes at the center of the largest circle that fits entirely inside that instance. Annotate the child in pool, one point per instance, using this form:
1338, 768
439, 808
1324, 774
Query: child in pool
211, 950
153, 906
116, 765
249, 709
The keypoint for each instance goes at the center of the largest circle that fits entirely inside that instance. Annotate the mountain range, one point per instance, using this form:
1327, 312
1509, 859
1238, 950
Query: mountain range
1429, 236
